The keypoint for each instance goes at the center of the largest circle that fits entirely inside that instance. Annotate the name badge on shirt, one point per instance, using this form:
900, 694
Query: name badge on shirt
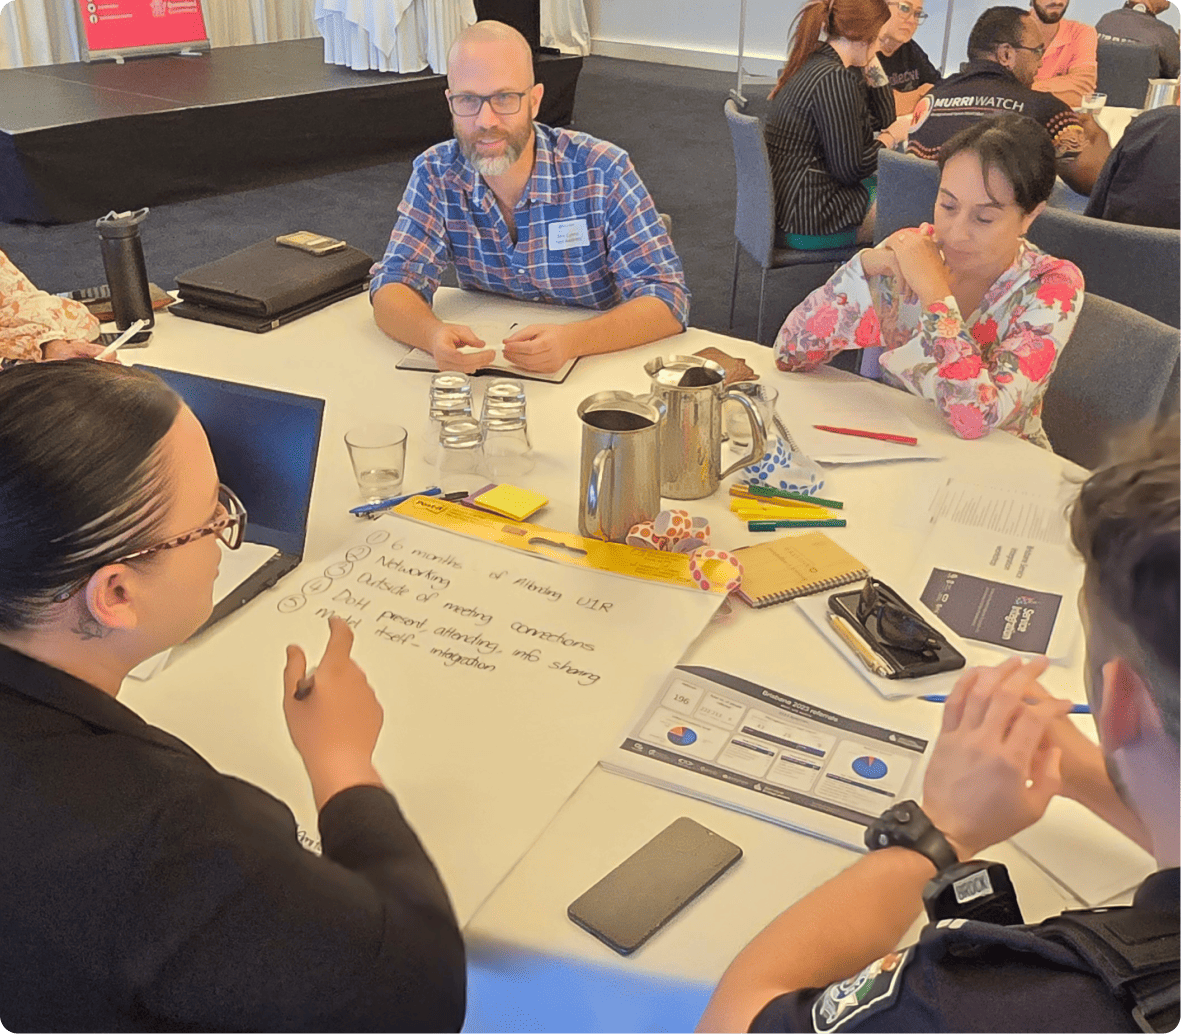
569, 234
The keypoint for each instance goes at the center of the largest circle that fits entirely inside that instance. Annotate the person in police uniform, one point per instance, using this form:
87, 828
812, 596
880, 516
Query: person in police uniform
830, 962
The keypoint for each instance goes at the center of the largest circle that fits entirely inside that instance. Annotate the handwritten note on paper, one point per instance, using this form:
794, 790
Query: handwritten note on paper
504, 677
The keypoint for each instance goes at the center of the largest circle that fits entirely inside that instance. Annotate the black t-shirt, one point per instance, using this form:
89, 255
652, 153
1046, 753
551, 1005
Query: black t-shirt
909, 68
984, 89
1128, 25
1139, 182
966, 975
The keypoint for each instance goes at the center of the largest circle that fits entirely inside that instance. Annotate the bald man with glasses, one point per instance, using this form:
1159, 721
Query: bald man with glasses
528, 211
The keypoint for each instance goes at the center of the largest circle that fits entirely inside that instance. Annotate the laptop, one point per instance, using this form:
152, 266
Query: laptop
265, 444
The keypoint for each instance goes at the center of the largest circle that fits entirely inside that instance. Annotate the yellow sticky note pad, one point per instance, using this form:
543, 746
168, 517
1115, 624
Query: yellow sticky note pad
510, 501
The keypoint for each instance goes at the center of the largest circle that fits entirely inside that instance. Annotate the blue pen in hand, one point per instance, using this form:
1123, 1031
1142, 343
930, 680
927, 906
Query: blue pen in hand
940, 698
385, 504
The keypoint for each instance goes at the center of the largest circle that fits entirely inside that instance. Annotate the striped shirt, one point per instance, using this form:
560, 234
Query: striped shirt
587, 231
821, 146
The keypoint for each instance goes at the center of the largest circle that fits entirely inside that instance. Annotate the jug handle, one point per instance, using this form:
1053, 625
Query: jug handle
758, 433
656, 402
594, 492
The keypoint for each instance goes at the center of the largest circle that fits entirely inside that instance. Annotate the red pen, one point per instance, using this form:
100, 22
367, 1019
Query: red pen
900, 439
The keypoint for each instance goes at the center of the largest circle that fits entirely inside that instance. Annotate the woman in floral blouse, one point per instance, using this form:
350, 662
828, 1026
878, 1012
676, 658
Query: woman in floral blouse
972, 316
36, 326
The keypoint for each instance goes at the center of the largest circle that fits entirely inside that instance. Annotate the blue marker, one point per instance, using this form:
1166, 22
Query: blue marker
385, 504
939, 698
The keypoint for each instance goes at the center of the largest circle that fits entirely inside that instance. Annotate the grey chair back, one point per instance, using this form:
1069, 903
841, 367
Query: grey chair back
907, 189
754, 215
754, 225
1138, 266
1124, 71
1115, 370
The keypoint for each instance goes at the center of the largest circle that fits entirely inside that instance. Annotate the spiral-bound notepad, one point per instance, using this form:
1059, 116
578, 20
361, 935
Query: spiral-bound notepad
795, 565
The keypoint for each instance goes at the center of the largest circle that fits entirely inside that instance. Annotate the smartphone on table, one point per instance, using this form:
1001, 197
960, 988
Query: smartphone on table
891, 660
642, 893
312, 243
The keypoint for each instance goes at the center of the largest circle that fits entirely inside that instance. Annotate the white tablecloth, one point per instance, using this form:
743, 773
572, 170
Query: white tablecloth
391, 35
411, 35
531, 968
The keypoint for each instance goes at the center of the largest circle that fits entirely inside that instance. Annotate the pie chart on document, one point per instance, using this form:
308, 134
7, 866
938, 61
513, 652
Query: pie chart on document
868, 768
682, 736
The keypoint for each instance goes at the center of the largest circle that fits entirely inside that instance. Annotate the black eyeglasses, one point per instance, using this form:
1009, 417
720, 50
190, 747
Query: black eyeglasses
466, 105
894, 624
228, 524
1040, 49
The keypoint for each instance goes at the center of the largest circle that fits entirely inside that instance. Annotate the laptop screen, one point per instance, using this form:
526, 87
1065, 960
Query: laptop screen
264, 443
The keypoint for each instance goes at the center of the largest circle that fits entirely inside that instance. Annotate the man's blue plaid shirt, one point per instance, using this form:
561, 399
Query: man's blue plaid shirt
449, 214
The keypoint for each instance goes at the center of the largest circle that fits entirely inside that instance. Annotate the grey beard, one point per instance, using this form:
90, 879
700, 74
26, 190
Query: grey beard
492, 165
496, 166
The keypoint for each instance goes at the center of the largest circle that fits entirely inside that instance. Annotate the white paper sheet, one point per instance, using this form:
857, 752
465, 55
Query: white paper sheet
866, 408
775, 753
504, 678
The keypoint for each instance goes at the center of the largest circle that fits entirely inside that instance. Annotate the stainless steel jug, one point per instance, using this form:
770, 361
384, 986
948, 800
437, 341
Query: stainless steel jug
619, 476
693, 390
1160, 92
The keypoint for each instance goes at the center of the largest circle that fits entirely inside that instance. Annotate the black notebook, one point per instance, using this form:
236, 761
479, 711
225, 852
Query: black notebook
267, 279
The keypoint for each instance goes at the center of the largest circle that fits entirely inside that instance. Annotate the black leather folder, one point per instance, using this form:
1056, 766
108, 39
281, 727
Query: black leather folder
268, 280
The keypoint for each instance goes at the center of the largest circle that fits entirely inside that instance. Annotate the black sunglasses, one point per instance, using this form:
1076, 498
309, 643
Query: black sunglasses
894, 624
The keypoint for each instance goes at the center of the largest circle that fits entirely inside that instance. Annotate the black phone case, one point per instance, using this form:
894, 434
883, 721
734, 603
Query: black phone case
600, 925
906, 665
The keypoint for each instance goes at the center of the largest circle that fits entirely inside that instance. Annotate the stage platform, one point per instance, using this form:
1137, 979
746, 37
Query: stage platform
79, 140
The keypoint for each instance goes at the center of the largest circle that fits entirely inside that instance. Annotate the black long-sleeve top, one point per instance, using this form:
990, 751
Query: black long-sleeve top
821, 145
143, 890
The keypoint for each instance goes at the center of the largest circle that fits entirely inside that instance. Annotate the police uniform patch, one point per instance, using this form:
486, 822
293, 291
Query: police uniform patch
873, 989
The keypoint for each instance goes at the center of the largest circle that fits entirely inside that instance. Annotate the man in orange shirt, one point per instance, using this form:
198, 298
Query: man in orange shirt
1070, 67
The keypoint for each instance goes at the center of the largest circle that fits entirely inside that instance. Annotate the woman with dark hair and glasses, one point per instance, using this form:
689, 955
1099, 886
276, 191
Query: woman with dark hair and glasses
970, 314
908, 69
142, 889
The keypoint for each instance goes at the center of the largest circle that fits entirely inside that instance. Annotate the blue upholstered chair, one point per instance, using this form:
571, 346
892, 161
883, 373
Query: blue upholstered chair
1124, 71
754, 223
1138, 266
907, 188
1118, 368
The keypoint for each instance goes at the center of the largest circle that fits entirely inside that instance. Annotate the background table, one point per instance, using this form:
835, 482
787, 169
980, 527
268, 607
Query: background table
531, 967
391, 35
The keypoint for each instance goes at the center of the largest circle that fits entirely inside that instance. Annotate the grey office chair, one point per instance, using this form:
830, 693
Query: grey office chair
1137, 266
1117, 369
907, 189
1124, 71
754, 222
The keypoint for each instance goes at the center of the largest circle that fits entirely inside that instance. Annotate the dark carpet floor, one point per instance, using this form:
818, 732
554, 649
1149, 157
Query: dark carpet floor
669, 118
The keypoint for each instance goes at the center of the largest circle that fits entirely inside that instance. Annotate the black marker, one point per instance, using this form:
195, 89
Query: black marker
304, 687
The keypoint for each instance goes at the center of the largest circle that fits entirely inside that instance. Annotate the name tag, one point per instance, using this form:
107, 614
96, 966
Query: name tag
570, 234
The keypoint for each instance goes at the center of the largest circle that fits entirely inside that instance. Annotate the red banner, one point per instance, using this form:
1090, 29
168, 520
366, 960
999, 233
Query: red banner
127, 24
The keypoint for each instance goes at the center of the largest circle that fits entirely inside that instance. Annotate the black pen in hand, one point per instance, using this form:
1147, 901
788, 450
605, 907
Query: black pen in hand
304, 687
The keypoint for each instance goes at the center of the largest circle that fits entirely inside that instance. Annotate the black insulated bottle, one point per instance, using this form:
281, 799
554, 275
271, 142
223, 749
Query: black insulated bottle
123, 260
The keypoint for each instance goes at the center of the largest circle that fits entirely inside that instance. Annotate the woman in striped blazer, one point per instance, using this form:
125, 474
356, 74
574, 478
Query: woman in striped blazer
831, 99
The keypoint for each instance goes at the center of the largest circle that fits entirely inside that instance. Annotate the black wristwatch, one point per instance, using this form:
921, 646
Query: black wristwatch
906, 825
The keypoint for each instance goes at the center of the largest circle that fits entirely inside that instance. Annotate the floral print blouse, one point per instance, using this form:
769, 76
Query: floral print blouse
985, 372
29, 318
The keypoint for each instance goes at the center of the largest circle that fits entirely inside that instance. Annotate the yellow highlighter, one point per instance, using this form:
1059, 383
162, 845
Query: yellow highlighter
760, 510
774, 504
